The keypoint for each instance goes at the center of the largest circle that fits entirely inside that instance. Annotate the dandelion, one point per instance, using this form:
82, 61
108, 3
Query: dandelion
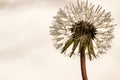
82, 29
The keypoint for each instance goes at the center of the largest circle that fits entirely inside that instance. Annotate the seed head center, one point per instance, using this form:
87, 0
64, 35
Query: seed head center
83, 28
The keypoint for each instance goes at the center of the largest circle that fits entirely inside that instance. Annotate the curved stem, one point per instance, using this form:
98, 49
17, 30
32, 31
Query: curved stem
83, 65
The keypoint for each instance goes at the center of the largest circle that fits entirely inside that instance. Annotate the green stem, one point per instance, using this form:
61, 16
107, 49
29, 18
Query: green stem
83, 65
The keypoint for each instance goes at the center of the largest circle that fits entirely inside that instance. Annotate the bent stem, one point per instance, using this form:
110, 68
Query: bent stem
83, 65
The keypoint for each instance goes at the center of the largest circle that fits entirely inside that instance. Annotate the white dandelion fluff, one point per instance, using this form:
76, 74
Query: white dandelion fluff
82, 26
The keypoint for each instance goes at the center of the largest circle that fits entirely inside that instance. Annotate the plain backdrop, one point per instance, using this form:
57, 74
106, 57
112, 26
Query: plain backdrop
26, 50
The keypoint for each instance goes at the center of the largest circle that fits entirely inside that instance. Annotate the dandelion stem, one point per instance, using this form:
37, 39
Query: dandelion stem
83, 65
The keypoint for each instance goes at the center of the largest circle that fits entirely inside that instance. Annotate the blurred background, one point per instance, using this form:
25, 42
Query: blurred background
26, 50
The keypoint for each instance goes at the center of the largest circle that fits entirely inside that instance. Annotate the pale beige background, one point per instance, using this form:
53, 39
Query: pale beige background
26, 51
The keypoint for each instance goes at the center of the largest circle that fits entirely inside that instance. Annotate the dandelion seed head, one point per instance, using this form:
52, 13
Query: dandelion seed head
82, 24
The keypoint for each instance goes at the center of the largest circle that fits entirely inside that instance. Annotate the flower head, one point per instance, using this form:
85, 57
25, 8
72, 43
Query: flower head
82, 27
